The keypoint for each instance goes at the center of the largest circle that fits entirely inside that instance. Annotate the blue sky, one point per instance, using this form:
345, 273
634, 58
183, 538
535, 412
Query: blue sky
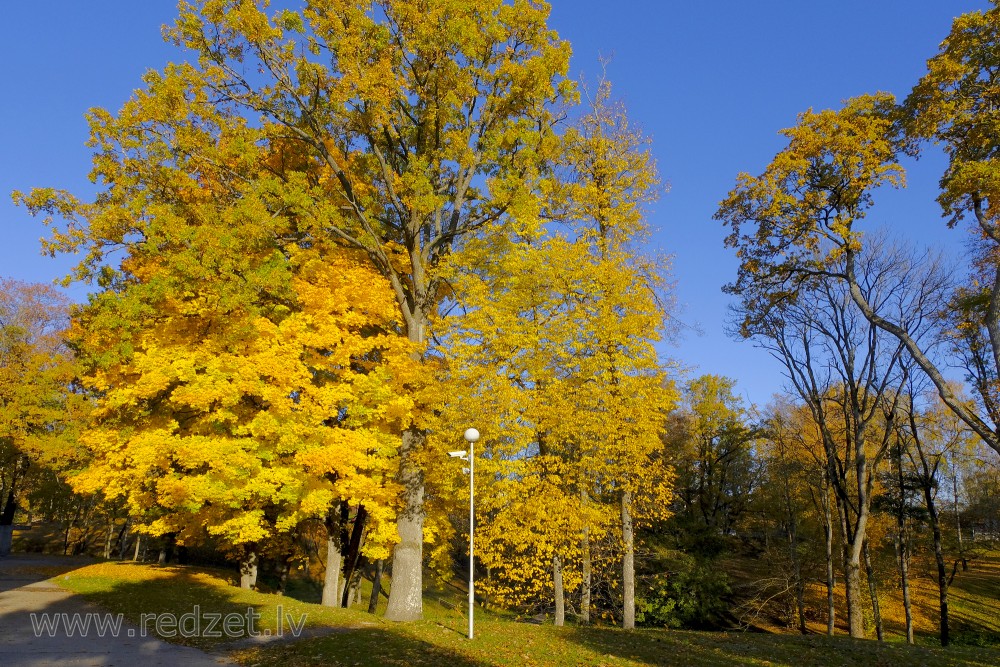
710, 82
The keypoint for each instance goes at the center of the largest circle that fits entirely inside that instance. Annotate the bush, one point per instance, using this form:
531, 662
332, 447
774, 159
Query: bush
689, 595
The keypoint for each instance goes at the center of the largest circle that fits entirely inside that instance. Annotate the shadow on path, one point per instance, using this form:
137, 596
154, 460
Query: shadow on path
42, 624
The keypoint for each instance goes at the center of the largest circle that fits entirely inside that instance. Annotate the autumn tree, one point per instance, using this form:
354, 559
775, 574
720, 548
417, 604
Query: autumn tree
846, 369
804, 215
242, 420
510, 362
39, 409
932, 434
612, 180
555, 351
240, 369
955, 104
792, 478
716, 471
398, 129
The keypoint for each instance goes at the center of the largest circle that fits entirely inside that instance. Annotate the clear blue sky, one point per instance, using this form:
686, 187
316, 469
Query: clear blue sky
711, 82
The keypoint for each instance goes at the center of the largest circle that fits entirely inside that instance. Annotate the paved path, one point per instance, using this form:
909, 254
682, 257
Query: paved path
23, 591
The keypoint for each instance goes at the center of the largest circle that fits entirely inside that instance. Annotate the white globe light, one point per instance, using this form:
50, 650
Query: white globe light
471, 434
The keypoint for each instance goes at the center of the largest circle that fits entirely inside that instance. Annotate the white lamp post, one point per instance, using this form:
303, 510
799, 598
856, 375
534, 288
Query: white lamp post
471, 436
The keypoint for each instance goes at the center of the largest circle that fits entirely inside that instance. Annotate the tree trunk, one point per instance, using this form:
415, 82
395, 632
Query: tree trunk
248, 571
585, 584
122, 540
628, 564
902, 545
406, 592
138, 543
331, 579
852, 589
353, 554
873, 591
376, 587
107, 541
942, 570
902, 552
793, 553
283, 568
7, 523
557, 583
831, 577
958, 513
852, 576
354, 598
6, 539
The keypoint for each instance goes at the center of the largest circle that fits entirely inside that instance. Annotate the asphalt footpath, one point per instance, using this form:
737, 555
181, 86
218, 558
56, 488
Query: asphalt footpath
34, 613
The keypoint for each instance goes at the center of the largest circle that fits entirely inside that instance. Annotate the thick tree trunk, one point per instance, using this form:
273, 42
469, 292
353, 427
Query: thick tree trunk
851, 563
852, 588
585, 584
138, 544
873, 591
557, 584
376, 587
406, 593
248, 571
407, 584
331, 579
628, 563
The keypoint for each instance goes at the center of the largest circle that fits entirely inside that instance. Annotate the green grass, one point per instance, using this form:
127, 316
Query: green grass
361, 639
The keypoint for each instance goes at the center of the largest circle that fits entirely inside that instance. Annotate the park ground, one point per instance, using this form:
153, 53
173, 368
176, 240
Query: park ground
354, 637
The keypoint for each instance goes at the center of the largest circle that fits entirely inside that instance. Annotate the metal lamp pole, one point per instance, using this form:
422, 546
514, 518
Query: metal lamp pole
471, 435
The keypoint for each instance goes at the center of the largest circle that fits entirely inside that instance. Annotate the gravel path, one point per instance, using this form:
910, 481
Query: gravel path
24, 592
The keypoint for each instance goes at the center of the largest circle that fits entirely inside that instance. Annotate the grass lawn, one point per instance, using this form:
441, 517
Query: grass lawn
353, 637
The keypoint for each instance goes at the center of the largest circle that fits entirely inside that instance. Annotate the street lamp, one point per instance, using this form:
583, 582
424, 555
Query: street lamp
471, 436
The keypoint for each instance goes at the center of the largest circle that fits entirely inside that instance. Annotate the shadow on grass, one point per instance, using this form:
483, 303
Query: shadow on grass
369, 647
675, 647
